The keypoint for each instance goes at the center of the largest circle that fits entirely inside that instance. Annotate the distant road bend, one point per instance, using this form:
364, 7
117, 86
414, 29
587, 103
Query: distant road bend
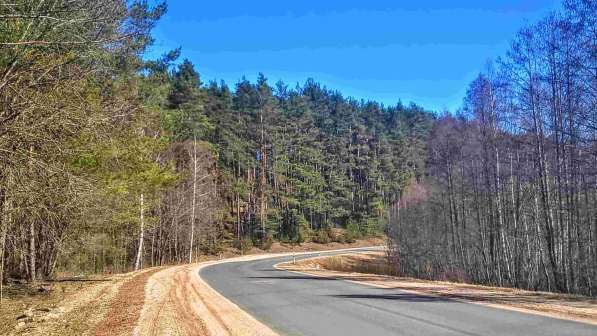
296, 304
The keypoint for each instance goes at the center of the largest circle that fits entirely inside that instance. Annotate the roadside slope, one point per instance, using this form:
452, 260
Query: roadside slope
150, 301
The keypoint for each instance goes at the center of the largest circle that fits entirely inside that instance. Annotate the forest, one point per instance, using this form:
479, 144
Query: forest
509, 194
111, 162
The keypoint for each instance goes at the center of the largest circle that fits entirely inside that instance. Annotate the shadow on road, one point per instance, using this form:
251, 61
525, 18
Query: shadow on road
397, 296
289, 277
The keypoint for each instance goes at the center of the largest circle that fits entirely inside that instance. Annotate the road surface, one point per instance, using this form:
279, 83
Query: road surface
296, 304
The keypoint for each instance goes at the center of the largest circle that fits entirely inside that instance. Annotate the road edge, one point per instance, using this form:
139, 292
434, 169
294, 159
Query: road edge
177, 299
409, 291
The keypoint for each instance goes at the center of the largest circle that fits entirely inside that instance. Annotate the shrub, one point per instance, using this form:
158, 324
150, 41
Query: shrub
341, 238
244, 244
352, 233
266, 242
336, 235
212, 247
322, 237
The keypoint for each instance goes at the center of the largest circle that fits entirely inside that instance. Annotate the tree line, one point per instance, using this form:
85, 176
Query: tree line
509, 196
109, 162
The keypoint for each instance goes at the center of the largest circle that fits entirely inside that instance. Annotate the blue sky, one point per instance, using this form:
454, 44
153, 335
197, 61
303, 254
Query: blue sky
424, 51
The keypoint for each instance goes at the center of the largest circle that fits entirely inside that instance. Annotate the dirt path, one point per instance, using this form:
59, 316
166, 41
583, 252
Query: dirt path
563, 306
125, 306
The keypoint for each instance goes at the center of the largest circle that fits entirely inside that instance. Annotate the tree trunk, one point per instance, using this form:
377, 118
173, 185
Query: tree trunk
141, 234
5, 221
194, 200
32, 250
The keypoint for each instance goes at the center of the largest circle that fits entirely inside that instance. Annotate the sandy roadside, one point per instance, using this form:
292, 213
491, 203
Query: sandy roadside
81, 311
562, 306
179, 302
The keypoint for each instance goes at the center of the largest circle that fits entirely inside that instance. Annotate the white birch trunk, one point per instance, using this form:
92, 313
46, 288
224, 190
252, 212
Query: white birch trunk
193, 201
141, 234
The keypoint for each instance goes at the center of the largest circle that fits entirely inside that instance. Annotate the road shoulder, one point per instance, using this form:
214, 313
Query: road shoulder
179, 302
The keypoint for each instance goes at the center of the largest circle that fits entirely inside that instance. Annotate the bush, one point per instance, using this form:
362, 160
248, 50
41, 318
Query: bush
262, 239
322, 237
341, 238
244, 244
349, 238
303, 235
266, 242
212, 247
373, 226
352, 233
285, 239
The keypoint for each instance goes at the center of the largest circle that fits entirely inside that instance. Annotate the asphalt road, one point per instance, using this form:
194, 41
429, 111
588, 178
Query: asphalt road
296, 304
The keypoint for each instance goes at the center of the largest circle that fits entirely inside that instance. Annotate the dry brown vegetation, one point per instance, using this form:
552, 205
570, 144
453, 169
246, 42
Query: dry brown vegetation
372, 269
278, 247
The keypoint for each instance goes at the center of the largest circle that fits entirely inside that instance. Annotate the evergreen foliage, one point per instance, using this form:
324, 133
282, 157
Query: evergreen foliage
326, 160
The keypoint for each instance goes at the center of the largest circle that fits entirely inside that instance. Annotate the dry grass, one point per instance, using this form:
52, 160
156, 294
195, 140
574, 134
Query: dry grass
19, 299
278, 247
370, 263
65, 308
71, 307
372, 269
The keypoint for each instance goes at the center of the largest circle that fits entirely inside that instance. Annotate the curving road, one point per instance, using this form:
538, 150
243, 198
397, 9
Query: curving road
296, 304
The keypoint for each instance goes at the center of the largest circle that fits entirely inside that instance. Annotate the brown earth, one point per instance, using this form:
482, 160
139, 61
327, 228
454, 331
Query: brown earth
369, 268
64, 307
125, 307
179, 302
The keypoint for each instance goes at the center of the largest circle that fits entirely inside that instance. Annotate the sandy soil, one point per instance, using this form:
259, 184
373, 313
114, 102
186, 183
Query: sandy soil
179, 302
125, 306
69, 308
349, 267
